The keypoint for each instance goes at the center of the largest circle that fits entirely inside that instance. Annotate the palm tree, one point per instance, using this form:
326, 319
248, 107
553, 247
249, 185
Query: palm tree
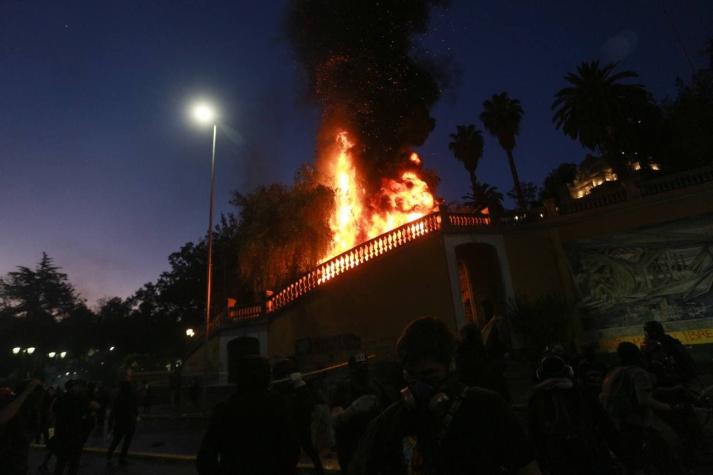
501, 117
485, 196
596, 106
467, 146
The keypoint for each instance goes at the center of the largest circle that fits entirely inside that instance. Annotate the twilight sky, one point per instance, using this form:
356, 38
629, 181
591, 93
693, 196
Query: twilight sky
100, 167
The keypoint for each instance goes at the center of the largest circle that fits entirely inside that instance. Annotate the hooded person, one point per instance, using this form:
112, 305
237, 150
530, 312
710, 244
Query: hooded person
441, 426
253, 431
571, 432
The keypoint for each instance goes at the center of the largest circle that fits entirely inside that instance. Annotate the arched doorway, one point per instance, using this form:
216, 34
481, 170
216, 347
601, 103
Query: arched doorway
480, 282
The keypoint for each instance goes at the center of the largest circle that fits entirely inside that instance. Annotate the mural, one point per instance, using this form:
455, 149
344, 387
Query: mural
664, 272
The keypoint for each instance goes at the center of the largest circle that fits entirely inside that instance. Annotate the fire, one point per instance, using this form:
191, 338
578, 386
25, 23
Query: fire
357, 217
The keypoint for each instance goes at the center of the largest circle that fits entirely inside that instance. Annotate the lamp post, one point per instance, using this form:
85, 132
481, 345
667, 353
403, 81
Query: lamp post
205, 114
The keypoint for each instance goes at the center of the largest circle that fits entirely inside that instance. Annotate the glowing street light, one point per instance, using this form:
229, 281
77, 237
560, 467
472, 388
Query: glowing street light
112, 348
63, 354
16, 350
206, 114
190, 333
30, 350
52, 354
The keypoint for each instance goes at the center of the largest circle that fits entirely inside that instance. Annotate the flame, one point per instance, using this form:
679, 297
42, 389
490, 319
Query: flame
357, 217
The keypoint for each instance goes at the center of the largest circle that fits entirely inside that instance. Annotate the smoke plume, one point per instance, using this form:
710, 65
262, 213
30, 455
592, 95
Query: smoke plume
364, 71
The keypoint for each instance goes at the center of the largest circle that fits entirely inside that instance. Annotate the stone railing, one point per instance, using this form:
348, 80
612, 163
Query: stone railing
595, 200
356, 256
677, 181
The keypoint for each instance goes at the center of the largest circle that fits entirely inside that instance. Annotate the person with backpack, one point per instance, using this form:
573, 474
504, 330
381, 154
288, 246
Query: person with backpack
571, 432
628, 397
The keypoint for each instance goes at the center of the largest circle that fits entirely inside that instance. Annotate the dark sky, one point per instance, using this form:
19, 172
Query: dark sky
100, 167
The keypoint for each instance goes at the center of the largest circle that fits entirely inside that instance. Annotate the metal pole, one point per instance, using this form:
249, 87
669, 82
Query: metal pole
209, 286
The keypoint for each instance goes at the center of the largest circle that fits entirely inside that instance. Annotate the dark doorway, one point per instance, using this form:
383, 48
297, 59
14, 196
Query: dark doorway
480, 282
238, 348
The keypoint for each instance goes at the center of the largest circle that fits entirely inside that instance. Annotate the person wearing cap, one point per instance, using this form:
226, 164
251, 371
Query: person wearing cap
355, 403
252, 432
441, 426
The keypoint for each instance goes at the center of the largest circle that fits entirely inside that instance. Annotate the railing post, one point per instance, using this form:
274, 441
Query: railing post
443, 214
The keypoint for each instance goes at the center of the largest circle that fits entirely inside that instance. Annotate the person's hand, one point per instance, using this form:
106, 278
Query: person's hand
297, 381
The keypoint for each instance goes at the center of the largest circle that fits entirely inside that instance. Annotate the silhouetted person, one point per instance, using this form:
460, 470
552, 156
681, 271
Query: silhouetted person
627, 395
252, 432
355, 403
124, 411
474, 365
71, 415
194, 392
670, 362
20, 422
102, 398
571, 431
301, 403
441, 426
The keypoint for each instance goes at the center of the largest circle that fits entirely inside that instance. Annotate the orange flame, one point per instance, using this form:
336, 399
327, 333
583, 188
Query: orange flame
357, 217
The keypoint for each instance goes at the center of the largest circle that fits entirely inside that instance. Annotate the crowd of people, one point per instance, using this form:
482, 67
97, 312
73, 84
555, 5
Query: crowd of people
454, 417
64, 420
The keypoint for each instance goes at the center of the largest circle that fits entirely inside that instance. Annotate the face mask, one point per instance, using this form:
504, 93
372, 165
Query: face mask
422, 392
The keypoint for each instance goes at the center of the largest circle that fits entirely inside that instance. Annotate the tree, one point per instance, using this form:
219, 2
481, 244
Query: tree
467, 147
596, 108
485, 196
40, 294
501, 117
530, 193
690, 117
284, 231
555, 184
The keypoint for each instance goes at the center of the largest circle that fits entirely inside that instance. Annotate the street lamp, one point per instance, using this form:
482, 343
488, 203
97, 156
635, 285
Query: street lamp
52, 354
190, 333
205, 114
16, 350
112, 348
63, 354
30, 350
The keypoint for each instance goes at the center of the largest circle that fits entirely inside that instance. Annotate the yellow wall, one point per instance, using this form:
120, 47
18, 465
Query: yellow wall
374, 301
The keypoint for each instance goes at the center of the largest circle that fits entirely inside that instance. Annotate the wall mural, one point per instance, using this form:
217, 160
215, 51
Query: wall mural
663, 272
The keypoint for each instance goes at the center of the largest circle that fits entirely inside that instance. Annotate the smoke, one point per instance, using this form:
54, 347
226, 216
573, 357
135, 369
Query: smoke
367, 74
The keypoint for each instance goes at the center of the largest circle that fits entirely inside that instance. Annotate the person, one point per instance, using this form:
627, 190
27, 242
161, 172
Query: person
627, 395
441, 426
71, 415
666, 357
474, 365
355, 403
102, 398
194, 392
148, 397
20, 421
571, 432
302, 403
675, 372
124, 412
252, 432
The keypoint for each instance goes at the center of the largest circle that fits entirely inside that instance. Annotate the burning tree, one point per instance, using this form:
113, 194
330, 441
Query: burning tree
375, 90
